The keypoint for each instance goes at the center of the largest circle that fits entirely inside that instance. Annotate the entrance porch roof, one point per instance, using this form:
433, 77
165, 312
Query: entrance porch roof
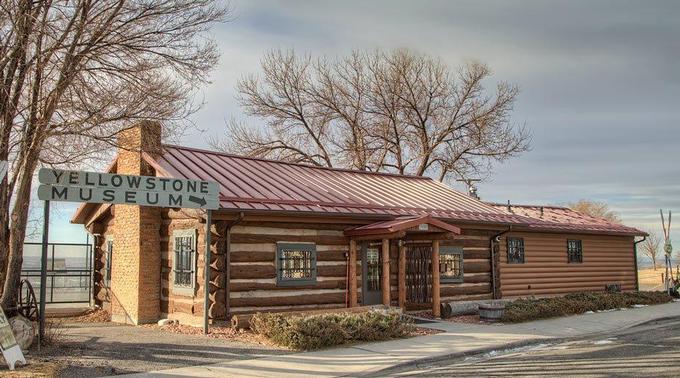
416, 224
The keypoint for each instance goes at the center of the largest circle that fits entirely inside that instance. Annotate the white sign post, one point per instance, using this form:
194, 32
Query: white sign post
111, 188
8, 344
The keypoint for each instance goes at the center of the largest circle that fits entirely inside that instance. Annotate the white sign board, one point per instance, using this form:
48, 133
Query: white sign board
8, 344
3, 169
81, 186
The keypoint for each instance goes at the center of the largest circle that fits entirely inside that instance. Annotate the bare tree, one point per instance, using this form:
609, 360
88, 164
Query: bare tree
73, 74
651, 247
595, 209
396, 111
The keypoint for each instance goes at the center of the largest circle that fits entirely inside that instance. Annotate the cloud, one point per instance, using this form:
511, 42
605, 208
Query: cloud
599, 83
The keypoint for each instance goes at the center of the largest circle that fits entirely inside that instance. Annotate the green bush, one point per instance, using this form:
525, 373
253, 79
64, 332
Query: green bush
523, 310
310, 332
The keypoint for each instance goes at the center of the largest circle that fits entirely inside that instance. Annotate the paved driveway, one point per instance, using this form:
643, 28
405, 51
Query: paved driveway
649, 350
99, 349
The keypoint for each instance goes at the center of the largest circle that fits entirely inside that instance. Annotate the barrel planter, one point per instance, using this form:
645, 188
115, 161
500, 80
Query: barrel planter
491, 312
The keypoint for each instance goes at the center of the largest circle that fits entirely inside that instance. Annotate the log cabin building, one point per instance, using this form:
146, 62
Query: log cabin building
293, 237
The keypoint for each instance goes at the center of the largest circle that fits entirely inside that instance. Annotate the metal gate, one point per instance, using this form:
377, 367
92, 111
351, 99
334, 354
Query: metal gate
419, 273
69, 271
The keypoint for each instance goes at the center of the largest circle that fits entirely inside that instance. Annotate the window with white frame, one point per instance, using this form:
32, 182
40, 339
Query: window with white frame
451, 264
184, 261
295, 264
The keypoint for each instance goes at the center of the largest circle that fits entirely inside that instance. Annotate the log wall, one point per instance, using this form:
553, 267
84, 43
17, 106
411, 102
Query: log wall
253, 267
546, 271
100, 292
476, 269
178, 304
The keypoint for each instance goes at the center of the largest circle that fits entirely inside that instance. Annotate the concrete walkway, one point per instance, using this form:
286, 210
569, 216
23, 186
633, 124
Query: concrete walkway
458, 338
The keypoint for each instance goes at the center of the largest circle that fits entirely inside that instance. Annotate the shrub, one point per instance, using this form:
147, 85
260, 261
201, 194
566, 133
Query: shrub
522, 310
308, 332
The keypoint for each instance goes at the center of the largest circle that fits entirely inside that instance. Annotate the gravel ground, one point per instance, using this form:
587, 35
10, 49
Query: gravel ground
100, 349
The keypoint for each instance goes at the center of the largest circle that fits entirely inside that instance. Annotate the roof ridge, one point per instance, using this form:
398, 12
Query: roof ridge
528, 206
236, 156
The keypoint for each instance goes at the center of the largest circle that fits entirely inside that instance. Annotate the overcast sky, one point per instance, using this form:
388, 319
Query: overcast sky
600, 84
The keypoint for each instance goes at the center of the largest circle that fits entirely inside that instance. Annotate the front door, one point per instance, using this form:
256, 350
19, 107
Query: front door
419, 273
371, 268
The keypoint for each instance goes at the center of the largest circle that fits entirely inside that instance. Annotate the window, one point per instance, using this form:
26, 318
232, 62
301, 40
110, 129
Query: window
451, 264
108, 244
574, 251
295, 264
515, 251
373, 269
184, 265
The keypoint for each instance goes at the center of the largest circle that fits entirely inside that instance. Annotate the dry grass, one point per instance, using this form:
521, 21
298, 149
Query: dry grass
216, 332
54, 333
91, 316
528, 309
311, 332
650, 279
33, 369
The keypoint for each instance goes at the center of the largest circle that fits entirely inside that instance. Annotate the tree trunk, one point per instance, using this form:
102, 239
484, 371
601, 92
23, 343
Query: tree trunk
4, 231
17, 233
654, 262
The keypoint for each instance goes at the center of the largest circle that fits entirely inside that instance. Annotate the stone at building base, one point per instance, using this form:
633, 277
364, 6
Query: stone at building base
164, 322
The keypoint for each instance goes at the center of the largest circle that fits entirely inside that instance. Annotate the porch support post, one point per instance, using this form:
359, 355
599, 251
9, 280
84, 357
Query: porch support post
402, 275
436, 312
352, 282
386, 271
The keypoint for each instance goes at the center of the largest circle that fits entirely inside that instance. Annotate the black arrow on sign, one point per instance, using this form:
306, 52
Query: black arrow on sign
201, 201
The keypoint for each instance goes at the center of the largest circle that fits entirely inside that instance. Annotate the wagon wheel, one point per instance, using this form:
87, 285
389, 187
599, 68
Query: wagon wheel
28, 305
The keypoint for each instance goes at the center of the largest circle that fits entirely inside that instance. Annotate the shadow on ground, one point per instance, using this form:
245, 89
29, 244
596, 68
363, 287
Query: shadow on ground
98, 349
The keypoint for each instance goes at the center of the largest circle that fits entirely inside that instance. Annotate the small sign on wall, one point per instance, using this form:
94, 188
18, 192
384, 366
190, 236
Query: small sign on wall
8, 344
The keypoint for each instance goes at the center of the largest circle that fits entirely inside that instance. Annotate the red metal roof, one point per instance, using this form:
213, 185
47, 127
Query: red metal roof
564, 219
258, 184
251, 184
400, 224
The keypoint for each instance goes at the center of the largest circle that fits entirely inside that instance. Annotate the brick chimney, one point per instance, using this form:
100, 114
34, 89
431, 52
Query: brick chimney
136, 260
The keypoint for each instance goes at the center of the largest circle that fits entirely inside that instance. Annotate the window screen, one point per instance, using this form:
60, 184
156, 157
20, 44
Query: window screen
451, 264
184, 258
515, 251
574, 251
296, 263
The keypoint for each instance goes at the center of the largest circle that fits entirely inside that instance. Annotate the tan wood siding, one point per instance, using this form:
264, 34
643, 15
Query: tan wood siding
546, 270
